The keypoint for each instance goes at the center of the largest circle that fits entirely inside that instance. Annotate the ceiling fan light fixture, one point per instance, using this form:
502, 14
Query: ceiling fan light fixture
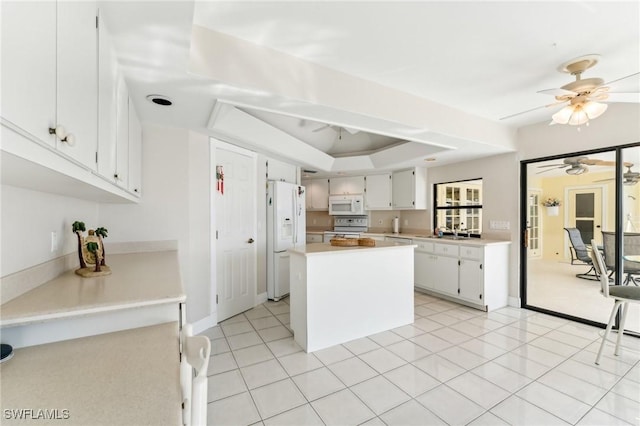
594, 109
577, 170
579, 116
563, 116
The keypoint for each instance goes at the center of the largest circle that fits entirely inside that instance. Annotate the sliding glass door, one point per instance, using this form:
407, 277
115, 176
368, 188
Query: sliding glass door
581, 198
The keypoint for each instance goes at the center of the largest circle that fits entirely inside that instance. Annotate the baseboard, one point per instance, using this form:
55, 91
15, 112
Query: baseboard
261, 298
204, 324
514, 302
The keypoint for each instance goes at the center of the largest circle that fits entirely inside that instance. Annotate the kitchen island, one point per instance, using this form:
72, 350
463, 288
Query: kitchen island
340, 294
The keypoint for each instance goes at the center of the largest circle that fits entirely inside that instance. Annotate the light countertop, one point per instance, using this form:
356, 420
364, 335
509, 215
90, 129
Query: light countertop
137, 279
129, 377
326, 248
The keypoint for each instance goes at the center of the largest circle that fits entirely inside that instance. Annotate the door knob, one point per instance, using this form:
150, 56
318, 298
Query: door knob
250, 241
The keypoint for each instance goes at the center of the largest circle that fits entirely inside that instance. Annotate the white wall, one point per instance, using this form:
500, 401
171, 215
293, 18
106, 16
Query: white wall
174, 206
29, 217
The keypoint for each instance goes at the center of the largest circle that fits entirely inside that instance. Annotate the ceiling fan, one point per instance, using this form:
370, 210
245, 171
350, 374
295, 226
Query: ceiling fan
582, 98
577, 165
628, 177
336, 128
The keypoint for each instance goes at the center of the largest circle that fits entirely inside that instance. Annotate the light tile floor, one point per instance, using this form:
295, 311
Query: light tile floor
454, 365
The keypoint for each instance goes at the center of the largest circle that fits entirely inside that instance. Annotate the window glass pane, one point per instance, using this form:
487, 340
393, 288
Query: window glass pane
457, 206
584, 205
631, 227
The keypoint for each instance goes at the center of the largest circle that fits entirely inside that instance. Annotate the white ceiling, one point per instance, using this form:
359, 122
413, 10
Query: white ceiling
454, 68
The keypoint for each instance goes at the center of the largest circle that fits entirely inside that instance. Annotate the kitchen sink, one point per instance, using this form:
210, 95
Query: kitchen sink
445, 237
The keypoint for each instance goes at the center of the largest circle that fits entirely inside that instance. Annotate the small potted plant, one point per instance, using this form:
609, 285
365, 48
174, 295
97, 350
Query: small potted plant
553, 206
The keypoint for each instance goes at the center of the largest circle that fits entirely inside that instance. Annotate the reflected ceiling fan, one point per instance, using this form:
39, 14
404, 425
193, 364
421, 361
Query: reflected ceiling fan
583, 98
628, 178
577, 165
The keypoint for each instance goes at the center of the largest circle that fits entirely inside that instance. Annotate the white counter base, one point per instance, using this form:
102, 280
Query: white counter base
342, 295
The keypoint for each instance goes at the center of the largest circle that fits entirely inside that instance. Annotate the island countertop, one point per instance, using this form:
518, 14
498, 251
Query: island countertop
137, 279
326, 248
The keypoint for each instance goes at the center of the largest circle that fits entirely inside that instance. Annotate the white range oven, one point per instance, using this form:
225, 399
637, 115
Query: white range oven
347, 227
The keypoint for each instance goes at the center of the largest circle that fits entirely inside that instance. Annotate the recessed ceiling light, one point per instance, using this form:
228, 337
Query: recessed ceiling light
430, 159
159, 100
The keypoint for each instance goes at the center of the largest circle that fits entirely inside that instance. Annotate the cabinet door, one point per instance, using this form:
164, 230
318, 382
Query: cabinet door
378, 192
403, 189
28, 67
424, 270
279, 170
446, 275
135, 151
347, 185
317, 194
471, 284
107, 99
121, 176
77, 79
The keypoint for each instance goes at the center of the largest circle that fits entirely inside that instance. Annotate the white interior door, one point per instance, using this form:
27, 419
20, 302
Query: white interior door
236, 231
533, 223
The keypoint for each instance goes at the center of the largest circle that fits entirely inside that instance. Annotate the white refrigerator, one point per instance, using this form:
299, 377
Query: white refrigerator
286, 229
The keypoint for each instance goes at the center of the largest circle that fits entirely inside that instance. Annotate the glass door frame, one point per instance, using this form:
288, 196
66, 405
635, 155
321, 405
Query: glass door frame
619, 225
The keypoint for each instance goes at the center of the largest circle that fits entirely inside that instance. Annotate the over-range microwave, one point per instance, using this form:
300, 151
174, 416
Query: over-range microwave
346, 204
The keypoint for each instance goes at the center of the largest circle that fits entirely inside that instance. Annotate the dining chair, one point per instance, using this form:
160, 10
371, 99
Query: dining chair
194, 363
622, 296
581, 253
631, 245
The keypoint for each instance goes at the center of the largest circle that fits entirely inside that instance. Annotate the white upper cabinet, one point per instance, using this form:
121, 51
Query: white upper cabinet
377, 192
77, 84
107, 80
279, 170
121, 175
29, 67
409, 189
317, 194
135, 151
346, 185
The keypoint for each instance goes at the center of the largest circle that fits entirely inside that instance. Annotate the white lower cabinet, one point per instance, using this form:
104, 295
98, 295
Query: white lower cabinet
473, 275
314, 238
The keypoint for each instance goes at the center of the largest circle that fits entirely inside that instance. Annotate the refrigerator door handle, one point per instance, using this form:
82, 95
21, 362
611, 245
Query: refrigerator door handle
295, 219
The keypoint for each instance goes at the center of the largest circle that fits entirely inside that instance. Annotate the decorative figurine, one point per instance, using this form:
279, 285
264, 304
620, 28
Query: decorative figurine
91, 251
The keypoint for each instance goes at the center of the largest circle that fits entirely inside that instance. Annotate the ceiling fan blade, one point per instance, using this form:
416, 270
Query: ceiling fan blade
605, 180
557, 92
623, 97
621, 78
553, 165
564, 166
523, 112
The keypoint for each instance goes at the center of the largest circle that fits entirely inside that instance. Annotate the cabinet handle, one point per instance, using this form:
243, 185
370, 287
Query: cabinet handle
61, 133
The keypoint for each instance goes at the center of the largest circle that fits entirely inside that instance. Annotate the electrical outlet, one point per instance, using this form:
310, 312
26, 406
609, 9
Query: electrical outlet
314, 221
379, 221
54, 241
406, 222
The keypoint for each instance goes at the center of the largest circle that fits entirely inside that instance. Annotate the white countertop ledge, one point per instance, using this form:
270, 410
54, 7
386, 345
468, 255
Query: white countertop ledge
137, 280
328, 249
